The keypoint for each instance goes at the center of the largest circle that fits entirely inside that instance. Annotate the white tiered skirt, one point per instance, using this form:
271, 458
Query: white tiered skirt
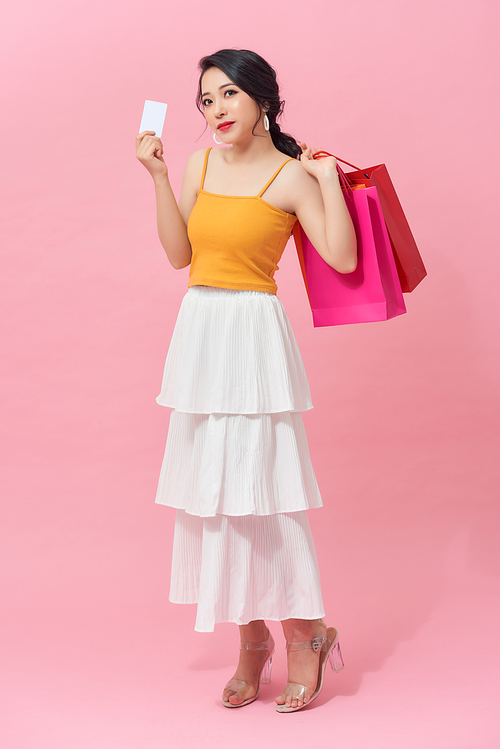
237, 464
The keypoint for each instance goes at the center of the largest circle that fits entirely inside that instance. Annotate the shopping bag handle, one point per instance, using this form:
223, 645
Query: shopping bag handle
345, 181
323, 154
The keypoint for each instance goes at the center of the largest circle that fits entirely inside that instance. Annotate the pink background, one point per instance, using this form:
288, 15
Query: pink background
405, 430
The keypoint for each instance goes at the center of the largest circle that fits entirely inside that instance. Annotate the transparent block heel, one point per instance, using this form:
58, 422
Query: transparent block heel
265, 676
335, 658
329, 648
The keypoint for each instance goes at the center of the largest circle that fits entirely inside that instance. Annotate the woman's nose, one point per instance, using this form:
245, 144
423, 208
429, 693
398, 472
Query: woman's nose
220, 107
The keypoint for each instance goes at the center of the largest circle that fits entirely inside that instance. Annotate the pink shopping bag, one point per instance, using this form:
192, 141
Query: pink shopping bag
373, 291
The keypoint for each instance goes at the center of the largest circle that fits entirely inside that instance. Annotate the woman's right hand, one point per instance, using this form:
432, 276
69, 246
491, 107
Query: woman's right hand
149, 151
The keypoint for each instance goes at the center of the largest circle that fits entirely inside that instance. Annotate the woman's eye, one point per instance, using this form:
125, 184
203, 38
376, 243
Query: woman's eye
230, 92
206, 102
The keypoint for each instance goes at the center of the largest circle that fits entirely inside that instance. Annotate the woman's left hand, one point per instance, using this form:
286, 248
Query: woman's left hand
316, 167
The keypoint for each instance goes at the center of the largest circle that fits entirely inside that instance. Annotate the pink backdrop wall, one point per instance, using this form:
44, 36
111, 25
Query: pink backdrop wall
404, 435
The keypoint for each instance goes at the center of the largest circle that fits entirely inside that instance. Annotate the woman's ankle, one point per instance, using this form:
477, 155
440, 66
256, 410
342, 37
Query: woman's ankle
298, 630
254, 631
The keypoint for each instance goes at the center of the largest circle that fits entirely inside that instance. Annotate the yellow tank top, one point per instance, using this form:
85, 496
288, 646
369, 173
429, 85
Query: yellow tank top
237, 241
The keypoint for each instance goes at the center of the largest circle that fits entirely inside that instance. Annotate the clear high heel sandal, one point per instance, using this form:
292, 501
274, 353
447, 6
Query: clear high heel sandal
264, 675
329, 648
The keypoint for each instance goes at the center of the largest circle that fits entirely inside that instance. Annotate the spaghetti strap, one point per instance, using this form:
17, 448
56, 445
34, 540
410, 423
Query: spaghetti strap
261, 193
205, 163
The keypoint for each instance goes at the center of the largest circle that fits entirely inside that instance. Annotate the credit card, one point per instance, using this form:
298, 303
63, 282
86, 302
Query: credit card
153, 117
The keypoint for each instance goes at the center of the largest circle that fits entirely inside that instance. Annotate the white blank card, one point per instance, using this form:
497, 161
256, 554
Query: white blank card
153, 117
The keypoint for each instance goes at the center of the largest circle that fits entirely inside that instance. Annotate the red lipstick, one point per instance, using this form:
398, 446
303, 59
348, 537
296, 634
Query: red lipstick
225, 125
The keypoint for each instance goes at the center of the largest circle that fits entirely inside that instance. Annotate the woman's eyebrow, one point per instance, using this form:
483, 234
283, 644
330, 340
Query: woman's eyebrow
224, 85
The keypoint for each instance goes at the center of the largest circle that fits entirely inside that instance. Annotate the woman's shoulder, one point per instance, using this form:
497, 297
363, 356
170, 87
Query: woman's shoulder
196, 160
296, 186
294, 174
293, 168
194, 169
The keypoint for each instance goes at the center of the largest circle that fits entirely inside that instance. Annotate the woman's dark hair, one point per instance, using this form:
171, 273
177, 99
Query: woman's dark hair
250, 72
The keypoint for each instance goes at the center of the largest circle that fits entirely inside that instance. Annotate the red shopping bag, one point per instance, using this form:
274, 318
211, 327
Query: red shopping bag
409, 263
372, 292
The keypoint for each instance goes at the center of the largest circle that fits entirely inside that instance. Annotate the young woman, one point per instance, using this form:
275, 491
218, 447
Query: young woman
236, 464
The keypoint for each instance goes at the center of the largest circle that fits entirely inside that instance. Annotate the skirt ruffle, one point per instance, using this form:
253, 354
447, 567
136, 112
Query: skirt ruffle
239, 569
233, 352
237, 465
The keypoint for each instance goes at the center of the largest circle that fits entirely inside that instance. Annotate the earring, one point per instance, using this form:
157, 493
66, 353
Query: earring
219, 142
266, 122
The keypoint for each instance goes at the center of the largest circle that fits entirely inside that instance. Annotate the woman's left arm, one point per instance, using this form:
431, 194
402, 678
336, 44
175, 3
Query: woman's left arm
322, 212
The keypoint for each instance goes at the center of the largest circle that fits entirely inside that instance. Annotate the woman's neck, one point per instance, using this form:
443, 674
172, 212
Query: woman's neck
251, 151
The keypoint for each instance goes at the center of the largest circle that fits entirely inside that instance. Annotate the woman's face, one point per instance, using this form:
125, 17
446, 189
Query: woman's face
228, 110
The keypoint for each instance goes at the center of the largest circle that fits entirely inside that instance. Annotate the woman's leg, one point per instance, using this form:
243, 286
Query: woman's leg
302, 664
249, 665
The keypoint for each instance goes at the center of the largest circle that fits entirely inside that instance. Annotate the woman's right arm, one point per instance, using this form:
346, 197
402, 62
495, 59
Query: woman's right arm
171, 218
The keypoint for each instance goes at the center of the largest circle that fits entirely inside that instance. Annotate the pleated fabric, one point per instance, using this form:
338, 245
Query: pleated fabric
233, 352
238, 569
237, 465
